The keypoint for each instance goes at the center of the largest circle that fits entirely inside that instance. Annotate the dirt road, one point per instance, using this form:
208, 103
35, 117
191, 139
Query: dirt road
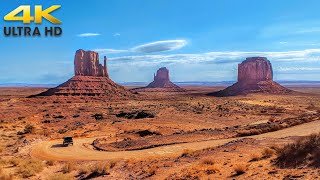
50, 150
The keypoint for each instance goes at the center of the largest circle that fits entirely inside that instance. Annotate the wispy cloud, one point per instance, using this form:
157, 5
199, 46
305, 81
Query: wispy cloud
308, 55
286, 69
160, 46
88, 34
116, 34
153, 47
110, 51
291, 29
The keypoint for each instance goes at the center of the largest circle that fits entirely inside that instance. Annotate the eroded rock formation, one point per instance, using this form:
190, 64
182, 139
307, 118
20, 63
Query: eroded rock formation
255, 74
91, 79
161, 82
86, 63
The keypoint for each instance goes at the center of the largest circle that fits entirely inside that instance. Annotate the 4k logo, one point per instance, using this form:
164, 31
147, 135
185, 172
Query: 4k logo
39, 14
23, 14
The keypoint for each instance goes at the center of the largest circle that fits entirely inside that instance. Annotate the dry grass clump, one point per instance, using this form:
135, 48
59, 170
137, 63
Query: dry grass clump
255, 157
99, 169
303, 152
198, 171
267, 152
187, 153
14, 161
240, 169
60, 176
68, 167
208, 161
29, 168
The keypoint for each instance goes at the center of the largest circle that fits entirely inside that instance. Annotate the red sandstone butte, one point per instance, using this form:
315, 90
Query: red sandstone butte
161, 82
255, 75
86, 63
91, 79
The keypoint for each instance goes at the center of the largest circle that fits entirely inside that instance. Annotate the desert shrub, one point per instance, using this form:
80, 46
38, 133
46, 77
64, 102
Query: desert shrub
50, 162
98, 116
60, 176
303, 152
240, 169
249, 132
29, 129
84, 170
255, 157
29, 168
267, 152
208, 161
99, 169
14, 161
187, 153
68, 167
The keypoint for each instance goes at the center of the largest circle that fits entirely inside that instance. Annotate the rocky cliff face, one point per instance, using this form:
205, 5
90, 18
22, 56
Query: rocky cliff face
86, 63
254, 75
255, 69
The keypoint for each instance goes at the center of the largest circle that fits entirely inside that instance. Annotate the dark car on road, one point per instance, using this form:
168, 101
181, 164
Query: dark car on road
67, 141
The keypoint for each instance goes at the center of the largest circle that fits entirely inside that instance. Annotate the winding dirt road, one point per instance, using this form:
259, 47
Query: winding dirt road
50, 150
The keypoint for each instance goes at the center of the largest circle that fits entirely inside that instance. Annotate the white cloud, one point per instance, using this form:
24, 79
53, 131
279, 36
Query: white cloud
160, 46
283, 42
286, 69
308, 55
88, 34
116, 34
109, 51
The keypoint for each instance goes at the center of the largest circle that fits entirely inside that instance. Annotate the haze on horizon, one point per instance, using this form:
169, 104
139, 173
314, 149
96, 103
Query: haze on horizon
196, 41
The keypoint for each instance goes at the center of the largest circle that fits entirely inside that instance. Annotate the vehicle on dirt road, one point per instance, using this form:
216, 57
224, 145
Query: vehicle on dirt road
67, 141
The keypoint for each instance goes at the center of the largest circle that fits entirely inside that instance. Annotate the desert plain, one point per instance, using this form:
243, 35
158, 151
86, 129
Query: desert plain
157, 135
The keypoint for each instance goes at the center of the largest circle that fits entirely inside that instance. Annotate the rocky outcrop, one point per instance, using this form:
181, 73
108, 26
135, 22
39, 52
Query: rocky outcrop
91, 79
161, 82
255, 69
255, 74
86, 63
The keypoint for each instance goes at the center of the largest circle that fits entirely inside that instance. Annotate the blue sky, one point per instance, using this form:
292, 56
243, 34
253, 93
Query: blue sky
201, 40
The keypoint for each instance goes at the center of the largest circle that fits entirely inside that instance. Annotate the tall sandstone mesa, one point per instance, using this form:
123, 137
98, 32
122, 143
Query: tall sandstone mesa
91, 79
255, 74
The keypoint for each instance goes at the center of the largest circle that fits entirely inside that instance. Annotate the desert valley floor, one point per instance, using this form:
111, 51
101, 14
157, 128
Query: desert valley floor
155, 135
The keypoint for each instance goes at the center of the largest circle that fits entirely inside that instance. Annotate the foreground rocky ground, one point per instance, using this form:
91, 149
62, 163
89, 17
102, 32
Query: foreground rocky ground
154, 119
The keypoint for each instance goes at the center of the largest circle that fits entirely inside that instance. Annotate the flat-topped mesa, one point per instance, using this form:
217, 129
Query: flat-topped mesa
254, 75
86, 63
255, 69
